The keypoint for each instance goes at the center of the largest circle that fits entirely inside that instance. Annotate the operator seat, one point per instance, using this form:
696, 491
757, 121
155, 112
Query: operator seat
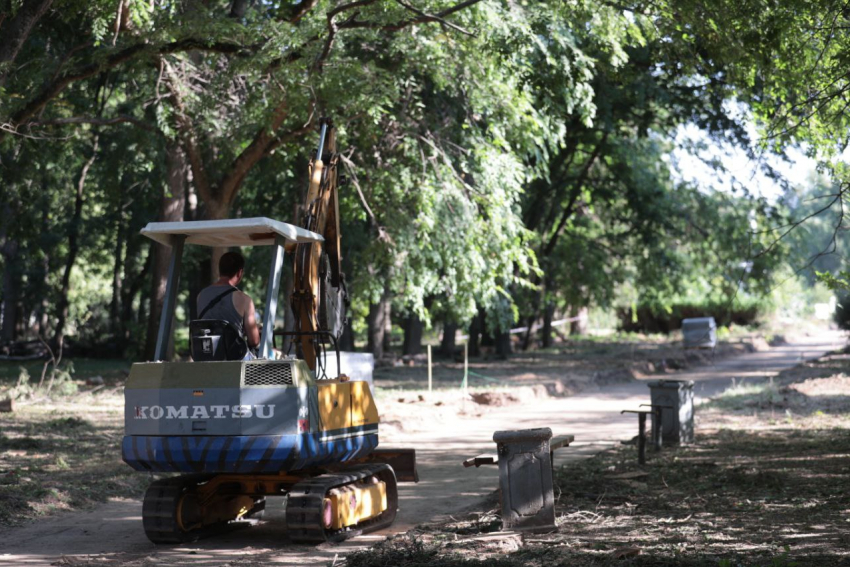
214, 339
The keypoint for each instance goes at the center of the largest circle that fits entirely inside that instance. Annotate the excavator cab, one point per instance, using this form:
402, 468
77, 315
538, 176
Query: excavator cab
260, 231
240, 431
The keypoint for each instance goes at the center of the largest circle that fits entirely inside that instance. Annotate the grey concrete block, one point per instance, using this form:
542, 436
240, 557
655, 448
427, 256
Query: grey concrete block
525, 479
677, 424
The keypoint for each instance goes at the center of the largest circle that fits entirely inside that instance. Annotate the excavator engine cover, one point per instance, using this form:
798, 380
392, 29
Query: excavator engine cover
258, 416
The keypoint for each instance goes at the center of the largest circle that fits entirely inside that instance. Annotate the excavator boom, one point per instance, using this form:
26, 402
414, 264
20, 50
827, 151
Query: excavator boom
319, 297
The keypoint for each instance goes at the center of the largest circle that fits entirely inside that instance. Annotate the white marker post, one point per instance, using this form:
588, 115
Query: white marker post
429, 369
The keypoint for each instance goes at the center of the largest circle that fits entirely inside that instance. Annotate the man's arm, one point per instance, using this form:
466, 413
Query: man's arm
252, 330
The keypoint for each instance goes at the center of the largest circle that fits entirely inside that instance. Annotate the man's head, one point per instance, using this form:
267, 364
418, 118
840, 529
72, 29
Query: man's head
232, 264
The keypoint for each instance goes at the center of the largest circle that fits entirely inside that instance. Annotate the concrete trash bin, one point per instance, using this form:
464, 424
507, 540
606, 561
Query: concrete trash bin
525, 479
677, 424
699, 332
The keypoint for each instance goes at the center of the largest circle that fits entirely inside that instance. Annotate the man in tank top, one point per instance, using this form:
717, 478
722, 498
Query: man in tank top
236, 307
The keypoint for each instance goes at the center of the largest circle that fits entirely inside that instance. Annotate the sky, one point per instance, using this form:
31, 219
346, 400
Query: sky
797, 168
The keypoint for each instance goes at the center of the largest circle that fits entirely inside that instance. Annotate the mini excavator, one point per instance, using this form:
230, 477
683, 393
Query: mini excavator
239, 431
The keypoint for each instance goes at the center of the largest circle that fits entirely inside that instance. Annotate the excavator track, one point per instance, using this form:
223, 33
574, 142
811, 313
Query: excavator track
166, 521
305, 506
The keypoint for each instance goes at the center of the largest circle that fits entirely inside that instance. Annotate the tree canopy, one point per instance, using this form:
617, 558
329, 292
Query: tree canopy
507, 160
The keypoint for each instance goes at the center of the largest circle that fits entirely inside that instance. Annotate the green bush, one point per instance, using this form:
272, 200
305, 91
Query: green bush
655, 319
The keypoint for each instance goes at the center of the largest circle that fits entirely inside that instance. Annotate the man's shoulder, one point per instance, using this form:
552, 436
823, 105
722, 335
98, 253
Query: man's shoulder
241, 298
210, 290
214, 288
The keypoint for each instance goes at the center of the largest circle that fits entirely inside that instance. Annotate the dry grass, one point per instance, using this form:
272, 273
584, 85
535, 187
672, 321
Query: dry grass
61, 455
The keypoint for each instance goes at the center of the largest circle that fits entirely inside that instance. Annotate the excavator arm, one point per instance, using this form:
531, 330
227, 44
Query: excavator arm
319, 297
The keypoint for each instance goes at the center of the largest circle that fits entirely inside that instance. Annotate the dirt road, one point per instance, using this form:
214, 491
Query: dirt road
112, 533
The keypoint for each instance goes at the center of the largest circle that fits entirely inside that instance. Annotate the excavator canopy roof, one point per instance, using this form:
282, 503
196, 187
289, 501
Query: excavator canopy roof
257, 231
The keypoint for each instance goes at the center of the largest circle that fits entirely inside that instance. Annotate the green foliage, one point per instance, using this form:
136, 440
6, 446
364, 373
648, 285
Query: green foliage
513, 156
836, 282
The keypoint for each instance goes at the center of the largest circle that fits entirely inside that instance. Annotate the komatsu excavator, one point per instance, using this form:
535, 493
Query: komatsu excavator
240, 430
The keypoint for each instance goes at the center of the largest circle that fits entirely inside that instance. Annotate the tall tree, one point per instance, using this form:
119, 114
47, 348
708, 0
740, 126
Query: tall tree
172, 206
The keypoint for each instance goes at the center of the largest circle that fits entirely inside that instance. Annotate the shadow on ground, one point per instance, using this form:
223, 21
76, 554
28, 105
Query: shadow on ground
773, 498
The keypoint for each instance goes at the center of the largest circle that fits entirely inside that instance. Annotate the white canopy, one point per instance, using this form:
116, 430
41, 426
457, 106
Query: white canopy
258, 231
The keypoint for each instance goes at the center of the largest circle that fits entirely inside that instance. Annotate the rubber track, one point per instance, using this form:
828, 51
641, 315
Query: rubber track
159, 511
306, 498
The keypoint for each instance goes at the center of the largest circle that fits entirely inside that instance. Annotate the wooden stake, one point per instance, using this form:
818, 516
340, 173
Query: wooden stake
465, 367
429, 369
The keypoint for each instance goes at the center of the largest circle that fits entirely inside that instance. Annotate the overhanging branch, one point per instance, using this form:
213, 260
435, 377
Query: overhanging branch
53, 88
121, 119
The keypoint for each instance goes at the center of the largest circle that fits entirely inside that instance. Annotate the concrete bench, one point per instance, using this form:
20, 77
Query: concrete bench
525, 460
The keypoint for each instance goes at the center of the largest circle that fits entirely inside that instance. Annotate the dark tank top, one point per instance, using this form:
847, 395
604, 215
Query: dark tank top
224, 310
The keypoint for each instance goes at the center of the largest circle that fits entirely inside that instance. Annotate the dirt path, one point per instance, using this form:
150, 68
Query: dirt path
112, 533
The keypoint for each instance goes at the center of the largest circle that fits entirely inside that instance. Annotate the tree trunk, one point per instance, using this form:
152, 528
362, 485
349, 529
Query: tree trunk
447, 343
215, 211
375, 330
388, 326
11, 290
529, 334
503, 344
238, 8
117, 280
548, 314
196, 276
487, 339
378, 321
413, 328
73, 247
43, 309
129, 292
476, 328
171, 209
42, 315
579, 327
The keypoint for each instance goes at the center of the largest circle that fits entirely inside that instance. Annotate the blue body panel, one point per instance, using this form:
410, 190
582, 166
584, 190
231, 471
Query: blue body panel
247, 453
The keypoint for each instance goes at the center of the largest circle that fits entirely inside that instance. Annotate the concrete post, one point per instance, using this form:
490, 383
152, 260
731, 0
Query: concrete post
525, 479
642, 438
677, 424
